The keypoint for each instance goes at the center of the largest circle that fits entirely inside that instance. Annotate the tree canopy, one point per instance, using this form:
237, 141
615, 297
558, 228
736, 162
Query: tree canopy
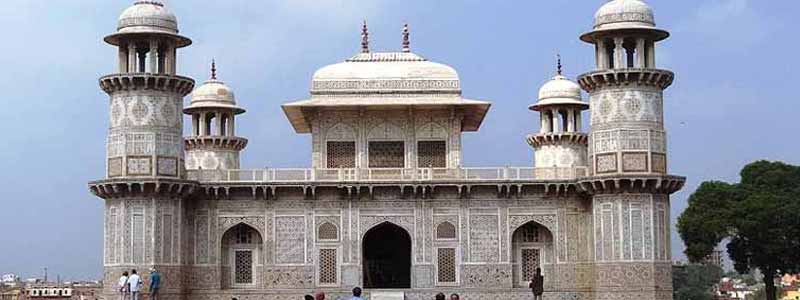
695, 281
759, 217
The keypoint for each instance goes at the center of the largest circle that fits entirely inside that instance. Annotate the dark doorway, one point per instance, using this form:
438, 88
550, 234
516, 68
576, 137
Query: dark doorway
387, 257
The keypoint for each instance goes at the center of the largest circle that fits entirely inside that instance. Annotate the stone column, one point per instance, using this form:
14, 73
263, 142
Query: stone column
543, 122
218, 121
153, 56
131, 57
173, 53
651, 54
123, 59
556, 123
570, 120
640, 56
602, 57
169, 59
231, 128
578, 123
619, 53
202, 129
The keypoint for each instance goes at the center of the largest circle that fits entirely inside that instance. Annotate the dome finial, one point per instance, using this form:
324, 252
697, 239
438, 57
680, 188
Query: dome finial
213, 69
559, 67
364, 38
406, 41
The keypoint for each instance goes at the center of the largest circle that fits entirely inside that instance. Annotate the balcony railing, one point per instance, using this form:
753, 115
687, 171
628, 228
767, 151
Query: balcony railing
386, 174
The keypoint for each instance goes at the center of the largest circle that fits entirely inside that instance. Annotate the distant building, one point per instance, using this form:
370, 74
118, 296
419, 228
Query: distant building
73, 291
13, 294
715, 258
790, 284
732, 289
9, 278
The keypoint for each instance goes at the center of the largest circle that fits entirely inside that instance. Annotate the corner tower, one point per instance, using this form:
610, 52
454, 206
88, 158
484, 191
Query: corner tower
629, 185
560, 144
144, 187
145, 134
213, 144
626, 91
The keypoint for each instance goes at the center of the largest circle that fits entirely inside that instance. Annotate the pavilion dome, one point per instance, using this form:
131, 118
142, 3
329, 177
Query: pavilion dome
385, 72
147, 16
213, 94
559, 91
622, 14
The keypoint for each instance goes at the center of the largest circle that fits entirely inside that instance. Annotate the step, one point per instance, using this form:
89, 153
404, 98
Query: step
385, 295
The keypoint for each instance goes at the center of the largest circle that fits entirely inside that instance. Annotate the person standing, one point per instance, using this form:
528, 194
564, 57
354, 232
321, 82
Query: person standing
123, 286
319, 296
455, 296
134, 284
356, 294
440, 296
155, 284
537, 284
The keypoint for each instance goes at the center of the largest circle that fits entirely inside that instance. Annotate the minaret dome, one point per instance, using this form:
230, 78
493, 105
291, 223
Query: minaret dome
560, 145
213, 143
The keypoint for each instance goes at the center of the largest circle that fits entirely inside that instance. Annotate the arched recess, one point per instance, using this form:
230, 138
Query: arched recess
242, 257
386, 262
446, 231
327, 232
531, 248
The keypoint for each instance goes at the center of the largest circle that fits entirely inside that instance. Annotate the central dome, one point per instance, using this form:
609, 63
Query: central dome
385, 72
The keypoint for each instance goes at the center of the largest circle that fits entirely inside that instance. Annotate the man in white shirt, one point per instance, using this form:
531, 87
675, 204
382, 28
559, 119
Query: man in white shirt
135, 283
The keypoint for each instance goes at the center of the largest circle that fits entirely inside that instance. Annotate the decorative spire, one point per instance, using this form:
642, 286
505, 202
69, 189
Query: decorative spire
559, 67
213, 69
364, 38
406, 42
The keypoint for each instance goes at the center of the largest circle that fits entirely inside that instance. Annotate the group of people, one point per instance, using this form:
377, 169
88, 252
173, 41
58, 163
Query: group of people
536, 285
130, 285
321, 295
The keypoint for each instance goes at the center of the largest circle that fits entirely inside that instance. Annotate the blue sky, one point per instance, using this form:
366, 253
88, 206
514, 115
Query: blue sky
734, 99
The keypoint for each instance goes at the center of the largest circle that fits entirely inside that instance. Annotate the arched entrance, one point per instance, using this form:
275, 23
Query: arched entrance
241, 257
532, 247
387, 257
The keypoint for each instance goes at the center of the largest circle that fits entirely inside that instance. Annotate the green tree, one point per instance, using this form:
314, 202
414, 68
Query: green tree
695, 281
759, 217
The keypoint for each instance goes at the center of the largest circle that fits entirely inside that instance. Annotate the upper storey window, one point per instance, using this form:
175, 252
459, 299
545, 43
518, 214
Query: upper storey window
432, 154
386, 155
341, 155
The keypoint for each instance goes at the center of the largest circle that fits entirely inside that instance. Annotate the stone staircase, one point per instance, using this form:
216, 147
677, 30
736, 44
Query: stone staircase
387, 295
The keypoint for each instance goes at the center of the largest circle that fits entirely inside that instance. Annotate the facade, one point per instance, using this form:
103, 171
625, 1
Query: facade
387, 203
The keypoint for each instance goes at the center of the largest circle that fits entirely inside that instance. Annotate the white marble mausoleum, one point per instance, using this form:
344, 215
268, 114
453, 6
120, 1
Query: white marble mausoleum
387, 202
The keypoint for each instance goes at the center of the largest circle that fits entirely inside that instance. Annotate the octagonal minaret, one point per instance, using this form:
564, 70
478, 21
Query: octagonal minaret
560, 145
626, 91
145, 134
628, 181
213, 144
144, 186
